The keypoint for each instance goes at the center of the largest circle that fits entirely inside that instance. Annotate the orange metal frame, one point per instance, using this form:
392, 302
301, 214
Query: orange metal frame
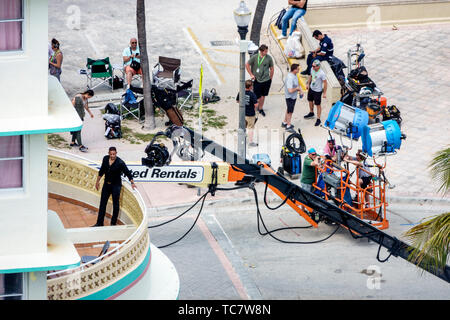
375, 210
374, 213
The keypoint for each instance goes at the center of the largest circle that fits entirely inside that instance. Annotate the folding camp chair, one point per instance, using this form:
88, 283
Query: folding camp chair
87, 259
184, 90
99, 71
131, 106
168, 68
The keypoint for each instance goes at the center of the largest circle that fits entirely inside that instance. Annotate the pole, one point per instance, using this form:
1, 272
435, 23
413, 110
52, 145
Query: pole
242, 136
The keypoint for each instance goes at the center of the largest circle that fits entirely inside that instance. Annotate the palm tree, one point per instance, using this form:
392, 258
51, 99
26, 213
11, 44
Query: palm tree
146, 80
431, 238
257, 21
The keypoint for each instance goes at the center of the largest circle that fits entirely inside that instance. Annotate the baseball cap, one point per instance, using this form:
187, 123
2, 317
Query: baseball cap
316, 62
312, 150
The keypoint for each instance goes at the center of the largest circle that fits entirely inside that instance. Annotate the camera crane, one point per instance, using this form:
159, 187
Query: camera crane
190, 146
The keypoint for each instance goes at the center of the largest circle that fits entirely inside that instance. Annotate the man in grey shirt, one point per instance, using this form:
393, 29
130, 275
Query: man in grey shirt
291, 87
317, 85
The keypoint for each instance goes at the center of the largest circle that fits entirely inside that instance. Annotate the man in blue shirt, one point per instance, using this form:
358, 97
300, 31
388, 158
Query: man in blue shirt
129, 54
324, 52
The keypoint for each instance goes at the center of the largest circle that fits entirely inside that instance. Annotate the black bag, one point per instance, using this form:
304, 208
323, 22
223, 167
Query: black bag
280, 18
359, 74
392, 113
117, 83
134, 64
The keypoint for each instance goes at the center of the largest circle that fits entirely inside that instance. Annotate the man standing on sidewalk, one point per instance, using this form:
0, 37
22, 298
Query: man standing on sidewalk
291, 87
316, 86
260, 68
112, 167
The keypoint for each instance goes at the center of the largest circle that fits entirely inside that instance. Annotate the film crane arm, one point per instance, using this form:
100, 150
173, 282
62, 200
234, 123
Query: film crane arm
357, 227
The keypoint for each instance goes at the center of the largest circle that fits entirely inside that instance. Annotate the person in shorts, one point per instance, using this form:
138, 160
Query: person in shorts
260, 68
251, 105
308, 171
129, 54
291, 88
316, 86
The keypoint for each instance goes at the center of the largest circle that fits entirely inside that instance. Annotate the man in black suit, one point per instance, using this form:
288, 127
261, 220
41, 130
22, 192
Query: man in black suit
112, 167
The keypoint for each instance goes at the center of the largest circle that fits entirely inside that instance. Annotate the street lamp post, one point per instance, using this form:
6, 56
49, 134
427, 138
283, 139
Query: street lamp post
242, 17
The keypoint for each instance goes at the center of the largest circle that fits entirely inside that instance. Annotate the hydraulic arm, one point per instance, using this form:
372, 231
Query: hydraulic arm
245, 172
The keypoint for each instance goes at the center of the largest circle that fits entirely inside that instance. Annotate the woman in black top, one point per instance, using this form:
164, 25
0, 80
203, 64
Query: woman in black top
112, 167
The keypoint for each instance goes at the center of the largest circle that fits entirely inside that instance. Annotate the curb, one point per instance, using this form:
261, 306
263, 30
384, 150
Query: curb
234, 201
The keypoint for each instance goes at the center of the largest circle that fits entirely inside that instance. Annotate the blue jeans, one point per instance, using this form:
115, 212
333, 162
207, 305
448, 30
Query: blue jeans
294, 13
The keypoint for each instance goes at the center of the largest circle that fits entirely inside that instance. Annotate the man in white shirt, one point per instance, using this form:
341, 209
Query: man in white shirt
317, 85
131, 54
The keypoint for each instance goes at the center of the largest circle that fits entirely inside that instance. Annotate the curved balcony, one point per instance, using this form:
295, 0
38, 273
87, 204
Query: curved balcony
124, 266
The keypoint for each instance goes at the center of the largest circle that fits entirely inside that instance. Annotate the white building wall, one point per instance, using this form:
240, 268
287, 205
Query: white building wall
23, 213
25, 79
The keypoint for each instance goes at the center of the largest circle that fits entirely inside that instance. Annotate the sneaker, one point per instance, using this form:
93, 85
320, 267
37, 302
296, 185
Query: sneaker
283, 124
262, 112
290, 127
305, 73
83, 149
318, 122
252, 144
309, 115
281, 37
74, 144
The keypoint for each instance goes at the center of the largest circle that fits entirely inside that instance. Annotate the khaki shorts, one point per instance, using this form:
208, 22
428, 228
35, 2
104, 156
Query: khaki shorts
250, 122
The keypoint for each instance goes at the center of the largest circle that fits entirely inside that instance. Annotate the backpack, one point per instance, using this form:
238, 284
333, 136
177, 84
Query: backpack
210, 96
280, 18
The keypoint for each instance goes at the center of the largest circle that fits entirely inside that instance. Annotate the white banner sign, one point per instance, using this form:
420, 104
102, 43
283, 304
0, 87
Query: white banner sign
171, 173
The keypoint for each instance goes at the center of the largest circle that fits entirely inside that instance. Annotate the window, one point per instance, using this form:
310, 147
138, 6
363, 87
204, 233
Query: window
11, 25
11, 162
11, 286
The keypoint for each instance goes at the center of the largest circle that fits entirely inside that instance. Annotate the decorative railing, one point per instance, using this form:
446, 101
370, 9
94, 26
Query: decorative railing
87, 279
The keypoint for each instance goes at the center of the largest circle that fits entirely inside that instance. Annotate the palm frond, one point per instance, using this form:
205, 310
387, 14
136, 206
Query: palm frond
431, 242
440, 169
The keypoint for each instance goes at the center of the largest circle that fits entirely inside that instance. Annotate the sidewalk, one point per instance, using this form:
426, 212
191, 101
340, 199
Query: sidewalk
396, 61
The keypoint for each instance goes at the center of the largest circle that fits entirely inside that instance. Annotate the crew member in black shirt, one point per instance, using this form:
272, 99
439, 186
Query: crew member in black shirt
112, 167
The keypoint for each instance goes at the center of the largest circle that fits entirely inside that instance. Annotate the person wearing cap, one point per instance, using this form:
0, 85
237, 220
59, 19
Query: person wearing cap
308, 171
296, 11
260, 68
322, 53
316, 86
291, 88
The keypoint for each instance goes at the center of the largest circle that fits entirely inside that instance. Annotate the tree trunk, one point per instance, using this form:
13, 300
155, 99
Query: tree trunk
149, 123
257, 21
